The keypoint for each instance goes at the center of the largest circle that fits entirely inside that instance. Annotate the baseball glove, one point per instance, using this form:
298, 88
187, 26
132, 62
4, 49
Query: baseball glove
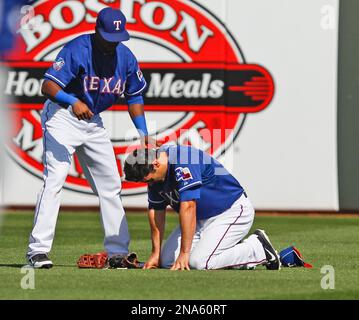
97, 261
120, 261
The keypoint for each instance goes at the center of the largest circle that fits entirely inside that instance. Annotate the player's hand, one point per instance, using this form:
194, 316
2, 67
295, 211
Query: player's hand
182, 262
153, 262
147, 141
82, 111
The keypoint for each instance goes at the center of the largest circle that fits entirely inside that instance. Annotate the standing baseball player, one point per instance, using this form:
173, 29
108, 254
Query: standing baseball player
89, 75
215, 213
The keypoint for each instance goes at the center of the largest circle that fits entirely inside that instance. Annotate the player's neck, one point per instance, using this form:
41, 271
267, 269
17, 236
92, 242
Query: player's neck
98, 44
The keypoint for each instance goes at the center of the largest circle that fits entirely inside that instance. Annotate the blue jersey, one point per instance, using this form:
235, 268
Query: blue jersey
194, 175
98, 80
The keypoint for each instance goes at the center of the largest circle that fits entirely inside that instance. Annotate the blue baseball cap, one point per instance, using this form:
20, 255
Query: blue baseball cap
111, 23
291, 257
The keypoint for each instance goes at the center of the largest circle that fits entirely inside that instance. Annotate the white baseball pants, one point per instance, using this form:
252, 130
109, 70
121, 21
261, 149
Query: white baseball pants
64, 134
217, 242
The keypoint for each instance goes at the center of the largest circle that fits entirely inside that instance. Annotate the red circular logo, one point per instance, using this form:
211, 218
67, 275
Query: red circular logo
200, 87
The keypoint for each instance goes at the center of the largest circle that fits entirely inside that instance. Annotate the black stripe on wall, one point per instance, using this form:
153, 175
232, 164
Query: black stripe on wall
348, 106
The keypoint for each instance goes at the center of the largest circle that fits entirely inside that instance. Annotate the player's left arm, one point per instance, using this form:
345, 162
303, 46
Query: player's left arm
189, 181
187, 217
135, 86
137, 114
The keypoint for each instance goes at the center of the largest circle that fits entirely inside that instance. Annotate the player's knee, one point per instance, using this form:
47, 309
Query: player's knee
53, 184
108, 192
167, 260
56, 174
197, 262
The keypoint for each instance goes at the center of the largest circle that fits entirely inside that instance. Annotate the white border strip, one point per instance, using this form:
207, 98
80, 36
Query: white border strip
189, 185
137, 92
54, 78
149, 200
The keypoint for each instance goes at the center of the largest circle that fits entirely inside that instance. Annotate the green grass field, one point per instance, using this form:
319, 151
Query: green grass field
323, 241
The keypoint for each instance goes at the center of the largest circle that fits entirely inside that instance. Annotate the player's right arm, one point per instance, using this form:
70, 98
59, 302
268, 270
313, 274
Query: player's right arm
157, 221
53, 91
66, 68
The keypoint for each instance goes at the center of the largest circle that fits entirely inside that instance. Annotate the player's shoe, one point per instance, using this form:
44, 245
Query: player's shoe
40, 261
272, 256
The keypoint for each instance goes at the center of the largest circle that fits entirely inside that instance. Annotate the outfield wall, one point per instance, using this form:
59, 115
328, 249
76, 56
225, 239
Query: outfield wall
284, 146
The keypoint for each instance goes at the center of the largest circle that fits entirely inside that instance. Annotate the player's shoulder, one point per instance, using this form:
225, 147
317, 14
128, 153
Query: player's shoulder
80, 42
123, 48
189, 152
125, 52
184, 155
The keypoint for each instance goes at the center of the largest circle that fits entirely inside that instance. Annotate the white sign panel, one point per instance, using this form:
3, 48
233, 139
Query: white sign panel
282, 138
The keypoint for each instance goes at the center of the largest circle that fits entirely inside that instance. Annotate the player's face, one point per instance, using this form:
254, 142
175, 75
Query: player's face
105, 46
159, 174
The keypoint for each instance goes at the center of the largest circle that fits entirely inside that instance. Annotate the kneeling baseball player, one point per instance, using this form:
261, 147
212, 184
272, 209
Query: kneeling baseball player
215, 213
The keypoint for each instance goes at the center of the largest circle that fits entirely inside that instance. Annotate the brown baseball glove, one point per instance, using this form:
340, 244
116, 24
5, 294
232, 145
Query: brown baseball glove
97, 261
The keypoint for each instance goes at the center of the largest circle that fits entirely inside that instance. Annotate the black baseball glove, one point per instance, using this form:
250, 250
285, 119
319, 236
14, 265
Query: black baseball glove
120, 261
